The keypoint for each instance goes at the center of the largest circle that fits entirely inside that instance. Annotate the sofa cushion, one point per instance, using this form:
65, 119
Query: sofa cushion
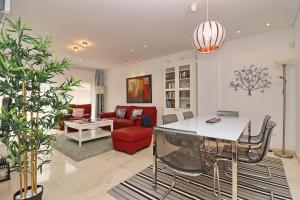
136, 112
151, 112
87, 108
132, 133
77, 112
128, 110
87, 113
121, 113
146, 121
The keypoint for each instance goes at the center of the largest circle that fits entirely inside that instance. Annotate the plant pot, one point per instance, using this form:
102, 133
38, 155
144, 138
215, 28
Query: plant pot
38, 196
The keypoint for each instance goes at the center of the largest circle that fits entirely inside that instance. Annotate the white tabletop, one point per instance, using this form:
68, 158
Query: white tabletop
229, 128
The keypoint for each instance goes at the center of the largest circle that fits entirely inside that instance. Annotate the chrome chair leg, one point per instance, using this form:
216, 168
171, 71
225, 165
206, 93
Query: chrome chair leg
217, 177
227, 173
163, 168
212, 149
269, 174
170, 189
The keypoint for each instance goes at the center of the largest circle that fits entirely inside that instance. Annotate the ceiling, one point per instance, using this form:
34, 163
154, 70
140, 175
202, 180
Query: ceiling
114, 27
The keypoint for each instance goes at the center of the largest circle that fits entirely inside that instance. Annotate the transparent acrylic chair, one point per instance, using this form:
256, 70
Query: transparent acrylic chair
256, 139
250, 156
188, 115
170, 118
180, 152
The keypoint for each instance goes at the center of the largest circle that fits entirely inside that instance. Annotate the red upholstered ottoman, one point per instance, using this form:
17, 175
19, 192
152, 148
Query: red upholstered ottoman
131, 139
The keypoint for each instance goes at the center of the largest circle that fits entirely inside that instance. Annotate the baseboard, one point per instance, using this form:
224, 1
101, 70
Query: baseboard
297, 156
278, 149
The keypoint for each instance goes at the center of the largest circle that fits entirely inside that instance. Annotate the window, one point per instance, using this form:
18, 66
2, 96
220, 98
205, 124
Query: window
82, 94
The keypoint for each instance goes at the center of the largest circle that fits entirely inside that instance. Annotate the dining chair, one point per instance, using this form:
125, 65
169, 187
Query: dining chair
256, 139
250, 156
179, 151
188, 114
227, 113
170, 118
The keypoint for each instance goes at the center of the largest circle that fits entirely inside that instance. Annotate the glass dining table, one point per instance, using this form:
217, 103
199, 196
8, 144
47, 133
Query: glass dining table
228, 129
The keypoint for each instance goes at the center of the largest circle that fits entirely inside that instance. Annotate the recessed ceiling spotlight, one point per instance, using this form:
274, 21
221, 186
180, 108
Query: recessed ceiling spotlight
268, 24
127, 62
84, 44
145, 46
75, 49
238, 32
137, 60
131, 50
193, 7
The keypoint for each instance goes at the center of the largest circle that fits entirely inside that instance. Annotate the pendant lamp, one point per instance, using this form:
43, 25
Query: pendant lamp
208, 36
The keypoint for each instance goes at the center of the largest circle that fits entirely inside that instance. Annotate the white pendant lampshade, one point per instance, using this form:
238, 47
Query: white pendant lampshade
208, 37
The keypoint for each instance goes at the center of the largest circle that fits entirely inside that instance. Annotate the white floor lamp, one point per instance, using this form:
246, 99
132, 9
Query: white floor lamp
283, 153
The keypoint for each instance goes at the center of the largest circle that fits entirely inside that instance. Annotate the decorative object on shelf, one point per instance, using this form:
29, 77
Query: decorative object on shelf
208, 36
27, 64
139, 89
251, 78
184, 74
283, 152
4, 170
170, 85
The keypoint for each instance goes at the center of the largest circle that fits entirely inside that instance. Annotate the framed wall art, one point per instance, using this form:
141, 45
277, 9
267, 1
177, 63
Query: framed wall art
139, 89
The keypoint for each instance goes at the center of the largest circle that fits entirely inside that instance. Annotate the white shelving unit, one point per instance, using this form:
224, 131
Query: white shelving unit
180, 88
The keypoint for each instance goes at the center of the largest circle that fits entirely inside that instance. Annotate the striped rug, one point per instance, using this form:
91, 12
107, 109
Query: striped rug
139, 187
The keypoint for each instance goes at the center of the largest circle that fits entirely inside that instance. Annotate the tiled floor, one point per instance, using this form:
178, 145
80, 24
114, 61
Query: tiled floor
65, 179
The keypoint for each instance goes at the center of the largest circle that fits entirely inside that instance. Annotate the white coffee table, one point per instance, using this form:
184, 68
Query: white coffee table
90, 129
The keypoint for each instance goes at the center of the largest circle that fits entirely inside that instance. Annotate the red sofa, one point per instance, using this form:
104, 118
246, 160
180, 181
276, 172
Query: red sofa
127, 122
87, 114
131, 139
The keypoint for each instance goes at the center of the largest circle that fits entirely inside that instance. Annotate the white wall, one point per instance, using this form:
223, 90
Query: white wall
86, 93
115, 79
207, 84
297, 53
262, 50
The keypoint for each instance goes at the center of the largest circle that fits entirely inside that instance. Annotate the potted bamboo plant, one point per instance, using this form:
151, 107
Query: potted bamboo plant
27, 69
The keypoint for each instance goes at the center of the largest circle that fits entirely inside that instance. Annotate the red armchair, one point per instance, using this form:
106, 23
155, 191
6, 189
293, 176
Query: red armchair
87, 114
126, 121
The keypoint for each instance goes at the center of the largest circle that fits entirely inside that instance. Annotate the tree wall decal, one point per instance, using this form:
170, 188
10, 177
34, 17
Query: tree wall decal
251, 78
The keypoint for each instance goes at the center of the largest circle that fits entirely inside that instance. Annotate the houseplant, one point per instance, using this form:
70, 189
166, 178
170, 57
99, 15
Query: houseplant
27, 68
